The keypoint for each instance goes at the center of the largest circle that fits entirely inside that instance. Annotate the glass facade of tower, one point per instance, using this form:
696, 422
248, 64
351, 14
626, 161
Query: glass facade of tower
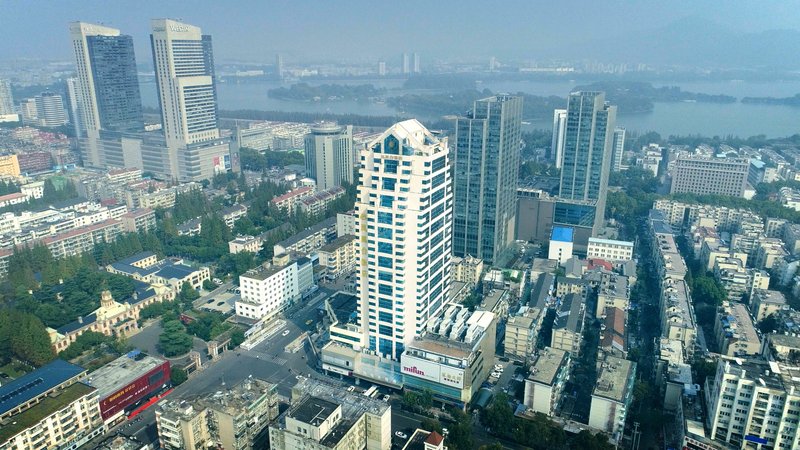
586, 160
116, 84
486, 165
404, 216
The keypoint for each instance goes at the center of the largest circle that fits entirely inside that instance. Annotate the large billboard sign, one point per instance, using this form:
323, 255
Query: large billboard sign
431, 371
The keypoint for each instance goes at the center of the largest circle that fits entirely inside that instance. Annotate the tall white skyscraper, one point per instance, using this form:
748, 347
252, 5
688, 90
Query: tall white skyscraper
6, 98
405, 64
617, 149
279, 66
184, 67
382, 68
404, 218
417, 68
329, 154
559, 128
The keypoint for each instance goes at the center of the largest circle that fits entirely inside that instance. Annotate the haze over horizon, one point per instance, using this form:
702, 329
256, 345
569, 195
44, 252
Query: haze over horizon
677, 32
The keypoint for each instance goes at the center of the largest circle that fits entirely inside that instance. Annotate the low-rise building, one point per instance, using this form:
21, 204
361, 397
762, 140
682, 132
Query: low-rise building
466, 270
236, 418
765, 302
613, 333
172, 272
453, 357
318, 203
568, 325
125, 381
561, 244
112, 318
288, 201
425, 440
346, 224
612, 291
339, 257
233, 213
735, 331
308, 240
544, 385
612, 396
240, 244
521, 333
610, 250
323, 417
753, 401
139, 220
270, 289
677, 314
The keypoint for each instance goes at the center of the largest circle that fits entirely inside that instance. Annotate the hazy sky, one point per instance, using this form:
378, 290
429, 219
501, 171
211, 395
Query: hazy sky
371, 30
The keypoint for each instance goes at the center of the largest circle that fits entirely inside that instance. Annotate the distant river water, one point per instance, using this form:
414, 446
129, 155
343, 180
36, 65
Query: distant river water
708, 119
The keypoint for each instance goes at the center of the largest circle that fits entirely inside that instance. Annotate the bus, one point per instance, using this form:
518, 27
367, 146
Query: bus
370, 391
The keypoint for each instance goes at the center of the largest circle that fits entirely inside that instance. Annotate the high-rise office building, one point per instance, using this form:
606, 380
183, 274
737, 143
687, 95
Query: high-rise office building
50, 110
416, 63
404, 220
405, 65
184, 67
6, 98
486, 165
559, 128
617, 149
382, 68
106, 93
73, 88
329, 154
586, 161
279, 66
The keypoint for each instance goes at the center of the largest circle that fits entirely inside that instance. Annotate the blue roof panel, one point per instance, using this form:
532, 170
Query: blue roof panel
36, 383
562, 234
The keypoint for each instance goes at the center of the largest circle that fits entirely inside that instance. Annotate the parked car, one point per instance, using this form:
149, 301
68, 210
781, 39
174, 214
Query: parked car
401, 435
285, 333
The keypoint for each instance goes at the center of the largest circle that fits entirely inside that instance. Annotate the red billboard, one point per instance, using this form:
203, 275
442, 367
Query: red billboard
136, 390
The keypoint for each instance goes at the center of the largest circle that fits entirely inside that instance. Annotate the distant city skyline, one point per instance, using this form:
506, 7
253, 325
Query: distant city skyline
533, 31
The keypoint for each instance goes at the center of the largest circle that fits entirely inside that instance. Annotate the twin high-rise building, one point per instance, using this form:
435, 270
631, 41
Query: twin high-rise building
6, 98
404, 218
486, 164
107, 96
329, 154
618, 149
586, 160
559, 129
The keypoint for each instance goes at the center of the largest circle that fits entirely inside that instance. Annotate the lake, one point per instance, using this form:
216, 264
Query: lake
708, 119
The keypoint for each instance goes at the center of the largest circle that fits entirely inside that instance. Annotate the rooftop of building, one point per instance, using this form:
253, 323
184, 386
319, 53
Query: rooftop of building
239, 398
455, 332
122, 371
493, 298
562, 234
670, 350
569, 314
47, 406
36, 383
293, 193
593, 240
414, 137
337, 243
312, 410
263, 272
344, 306
677, 302
323, 195
541, 293
613, 375
770, 374
769, 296
737, 323
547, 365
421, 437
314, 229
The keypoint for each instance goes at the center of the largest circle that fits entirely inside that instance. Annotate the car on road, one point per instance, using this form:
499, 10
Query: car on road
445, 432
401, 435
211, 300
386, 398
309, 322
285, 333
494, 375
351, 389
298, 377
220, 303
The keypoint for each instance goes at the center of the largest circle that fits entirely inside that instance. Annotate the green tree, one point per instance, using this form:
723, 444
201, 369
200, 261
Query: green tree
177, 376
237, 337
586, 440
209, 285
174, 340
768, 324
23, 336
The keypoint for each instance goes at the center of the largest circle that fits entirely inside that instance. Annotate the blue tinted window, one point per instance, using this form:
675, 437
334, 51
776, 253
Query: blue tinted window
385, 247
384, 289
383, 303
385, 330
385, 347
384, 276
438, 195
438, 163
388, 184
436, 225
387, 201
385, 218
385, 317
384, 233
385, 262
390, 166
437, 180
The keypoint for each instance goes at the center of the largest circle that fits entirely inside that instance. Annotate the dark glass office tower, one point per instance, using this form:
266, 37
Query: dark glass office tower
116, 85
486, 168
586, 162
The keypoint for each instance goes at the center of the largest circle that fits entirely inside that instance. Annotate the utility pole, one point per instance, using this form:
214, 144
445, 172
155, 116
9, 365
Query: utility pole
637, 436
